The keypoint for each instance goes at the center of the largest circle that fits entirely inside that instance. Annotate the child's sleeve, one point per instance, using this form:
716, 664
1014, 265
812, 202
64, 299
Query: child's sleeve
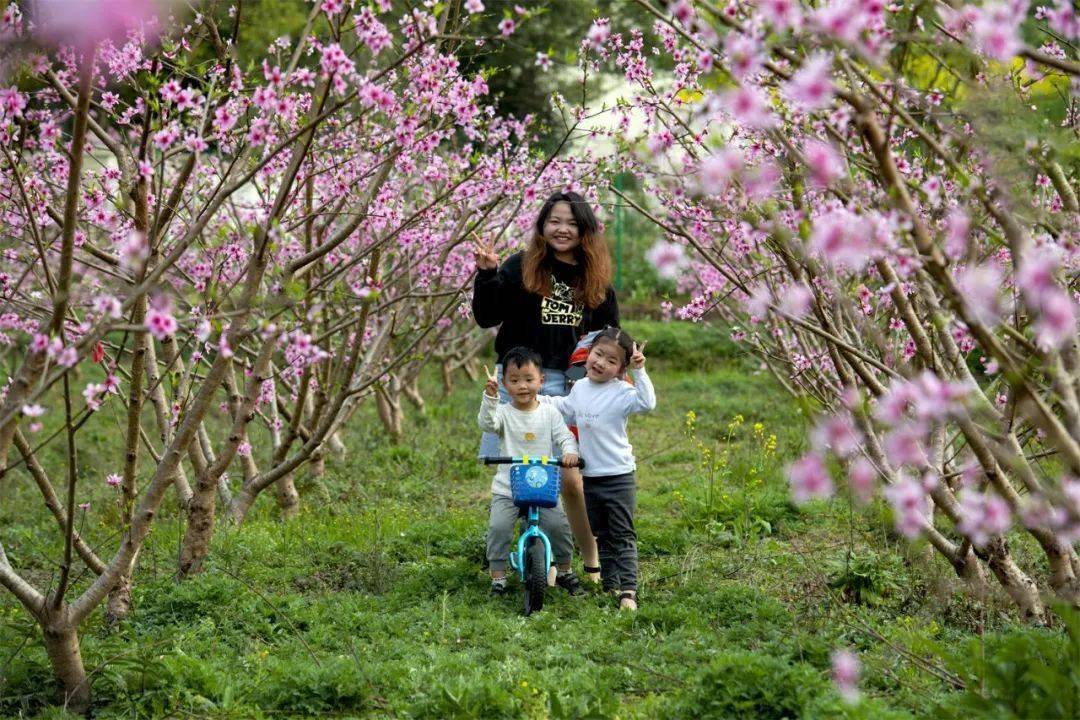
641, 397
562, 435
490, 419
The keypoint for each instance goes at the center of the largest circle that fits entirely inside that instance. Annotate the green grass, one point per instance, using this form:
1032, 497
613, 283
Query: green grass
373, 603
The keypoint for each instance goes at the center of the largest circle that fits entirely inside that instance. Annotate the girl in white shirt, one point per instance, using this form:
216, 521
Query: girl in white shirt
599, 405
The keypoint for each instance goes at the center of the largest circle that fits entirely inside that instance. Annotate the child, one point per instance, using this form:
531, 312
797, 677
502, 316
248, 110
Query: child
599, 405
525, 427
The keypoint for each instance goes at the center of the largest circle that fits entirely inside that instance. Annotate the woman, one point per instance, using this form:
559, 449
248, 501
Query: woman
545, 298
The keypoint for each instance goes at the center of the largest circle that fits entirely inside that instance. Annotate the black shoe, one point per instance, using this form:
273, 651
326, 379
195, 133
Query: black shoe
569, 582
498, 588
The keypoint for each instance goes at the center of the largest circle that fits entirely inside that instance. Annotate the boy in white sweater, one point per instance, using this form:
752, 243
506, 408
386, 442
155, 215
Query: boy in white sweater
525, 427
599, 405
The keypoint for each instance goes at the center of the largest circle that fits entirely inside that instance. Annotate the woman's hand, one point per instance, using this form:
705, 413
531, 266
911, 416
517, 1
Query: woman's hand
484, 254
637, 360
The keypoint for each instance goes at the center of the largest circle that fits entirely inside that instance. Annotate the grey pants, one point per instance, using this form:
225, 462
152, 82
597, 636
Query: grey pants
505, 514
610, 502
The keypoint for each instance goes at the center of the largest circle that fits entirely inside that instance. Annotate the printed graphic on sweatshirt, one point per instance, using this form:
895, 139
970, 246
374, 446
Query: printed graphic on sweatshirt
560, 308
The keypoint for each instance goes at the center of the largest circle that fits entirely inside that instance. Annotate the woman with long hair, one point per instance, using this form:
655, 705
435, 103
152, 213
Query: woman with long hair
545, 298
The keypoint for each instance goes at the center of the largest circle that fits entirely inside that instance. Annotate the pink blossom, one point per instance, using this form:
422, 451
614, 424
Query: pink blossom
12, 102
842, 239
506, 27
936, 399
749, 107
372, 32
68, 357
811, 87
717, 170
107, 305
474, 6
244, 449
903, 446
543, 61
796, 300
160, 323
996, 30
825, 164
845, 674
1056, 325
682, 11
781, 14
170, 90
39, 343
861, 477
113, 480
86, 23
809, 479
667, 258
92, 394
982, 516
908, 500
1035, 273
745, 56
979, 286
840, 19
224, 118
837, 433
760, 180
223, 344
195, 143
33, 411
134, 251
598, 34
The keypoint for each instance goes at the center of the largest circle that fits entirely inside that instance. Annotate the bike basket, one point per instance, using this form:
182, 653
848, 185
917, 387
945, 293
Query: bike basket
535, 485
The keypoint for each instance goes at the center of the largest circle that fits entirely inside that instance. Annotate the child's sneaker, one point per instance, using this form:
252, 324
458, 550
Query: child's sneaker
569, 582
498, 587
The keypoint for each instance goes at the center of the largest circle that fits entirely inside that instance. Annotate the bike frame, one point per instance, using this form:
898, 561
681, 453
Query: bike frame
533, 530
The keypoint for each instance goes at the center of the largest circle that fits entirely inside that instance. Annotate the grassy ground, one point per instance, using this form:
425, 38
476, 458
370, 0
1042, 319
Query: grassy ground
373, 602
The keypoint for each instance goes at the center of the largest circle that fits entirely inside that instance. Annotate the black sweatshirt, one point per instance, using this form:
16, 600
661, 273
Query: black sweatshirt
549, 325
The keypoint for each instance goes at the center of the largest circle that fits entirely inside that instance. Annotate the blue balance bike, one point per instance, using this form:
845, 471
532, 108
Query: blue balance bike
534, 484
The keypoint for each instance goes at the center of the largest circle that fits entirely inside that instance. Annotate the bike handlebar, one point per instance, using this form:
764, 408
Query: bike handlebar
507, 460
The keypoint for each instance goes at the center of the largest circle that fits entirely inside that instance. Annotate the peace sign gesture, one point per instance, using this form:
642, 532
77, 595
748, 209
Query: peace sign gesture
484, 253
637, 360
491, 387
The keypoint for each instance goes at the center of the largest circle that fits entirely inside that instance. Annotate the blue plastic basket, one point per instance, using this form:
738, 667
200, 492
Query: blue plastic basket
536, 485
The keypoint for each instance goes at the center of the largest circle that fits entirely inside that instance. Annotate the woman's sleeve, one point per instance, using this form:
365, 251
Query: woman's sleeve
607, 313
492, 292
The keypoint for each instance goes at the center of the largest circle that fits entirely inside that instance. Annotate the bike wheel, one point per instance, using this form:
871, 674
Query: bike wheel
535, 576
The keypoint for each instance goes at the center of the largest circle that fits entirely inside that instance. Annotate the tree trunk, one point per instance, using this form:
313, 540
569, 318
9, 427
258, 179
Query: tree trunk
1021, 588
469, 366
447, 377
288, 499
200, 526
389, 410
411, 388
118, 606
62, 645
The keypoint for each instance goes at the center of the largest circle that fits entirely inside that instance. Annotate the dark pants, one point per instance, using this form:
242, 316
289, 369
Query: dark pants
610, 502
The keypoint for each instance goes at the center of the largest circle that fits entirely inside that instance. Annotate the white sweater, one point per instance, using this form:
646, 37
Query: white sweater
600, 411
523, 432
